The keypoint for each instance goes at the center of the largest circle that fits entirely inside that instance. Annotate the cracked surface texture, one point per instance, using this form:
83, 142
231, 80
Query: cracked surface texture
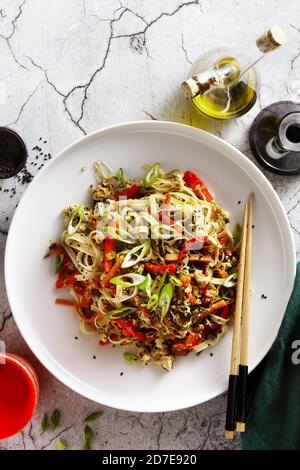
68, 68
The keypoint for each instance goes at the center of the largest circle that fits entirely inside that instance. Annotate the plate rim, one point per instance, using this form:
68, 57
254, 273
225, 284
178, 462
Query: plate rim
167, 127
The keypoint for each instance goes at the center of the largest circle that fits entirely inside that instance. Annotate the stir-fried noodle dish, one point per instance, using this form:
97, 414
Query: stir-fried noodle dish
149, 264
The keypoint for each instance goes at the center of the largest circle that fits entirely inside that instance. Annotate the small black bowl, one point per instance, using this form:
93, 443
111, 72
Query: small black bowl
13, 153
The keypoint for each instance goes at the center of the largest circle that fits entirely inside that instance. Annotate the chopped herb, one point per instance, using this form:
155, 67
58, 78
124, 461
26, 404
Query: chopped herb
61, 445
88, 437
93, 416
44, 422
54, 419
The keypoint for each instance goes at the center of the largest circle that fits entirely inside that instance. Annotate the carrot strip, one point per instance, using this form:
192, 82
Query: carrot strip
113, 272
68, 303
216, 306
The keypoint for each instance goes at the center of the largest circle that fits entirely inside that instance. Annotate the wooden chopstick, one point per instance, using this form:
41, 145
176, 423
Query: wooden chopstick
243, 367
235, 350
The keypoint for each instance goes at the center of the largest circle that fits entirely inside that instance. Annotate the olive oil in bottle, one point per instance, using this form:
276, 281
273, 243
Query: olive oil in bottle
224, 83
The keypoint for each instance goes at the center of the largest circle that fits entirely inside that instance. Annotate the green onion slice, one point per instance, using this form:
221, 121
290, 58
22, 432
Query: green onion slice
146, 285
112, 232
165, 298
175, 281
153, 175
121, 177
75, 220
237, 233
140, 252
58, 263
120, 312
136, 280
132, 358
152, 301
230, 281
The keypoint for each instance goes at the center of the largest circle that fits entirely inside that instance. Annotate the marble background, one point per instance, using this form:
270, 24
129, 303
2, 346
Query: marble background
69, 67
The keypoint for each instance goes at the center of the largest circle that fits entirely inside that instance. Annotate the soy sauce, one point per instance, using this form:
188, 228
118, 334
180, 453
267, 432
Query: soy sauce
13, 153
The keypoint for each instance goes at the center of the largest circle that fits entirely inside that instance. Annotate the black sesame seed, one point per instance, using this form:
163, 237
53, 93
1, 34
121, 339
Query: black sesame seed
94, 357
121, 373
253, 226
40, 138
239, 202
75, 337
211, 354
45, 141
6, 218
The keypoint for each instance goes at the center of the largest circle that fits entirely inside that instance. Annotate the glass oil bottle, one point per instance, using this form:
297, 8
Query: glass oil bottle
224, 84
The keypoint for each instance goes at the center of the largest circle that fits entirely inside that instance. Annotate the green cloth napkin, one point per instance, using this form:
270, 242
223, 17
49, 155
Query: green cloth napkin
274, 388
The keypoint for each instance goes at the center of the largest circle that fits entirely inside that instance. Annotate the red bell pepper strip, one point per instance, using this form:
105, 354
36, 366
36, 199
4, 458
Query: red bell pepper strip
168, 198
129, 330
193, 244
193, 181
204, 297
190, 298
109, 249
129, 193
160, 269
223, 314
192, 340
145, 312
223, 240
65, 281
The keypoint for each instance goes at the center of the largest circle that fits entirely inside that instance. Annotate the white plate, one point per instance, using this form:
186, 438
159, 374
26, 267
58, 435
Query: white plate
50, 329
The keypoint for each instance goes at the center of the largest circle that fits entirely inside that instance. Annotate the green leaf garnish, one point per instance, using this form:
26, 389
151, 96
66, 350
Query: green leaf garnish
54, 419
93, 416
44, 422
61, 445
88, 437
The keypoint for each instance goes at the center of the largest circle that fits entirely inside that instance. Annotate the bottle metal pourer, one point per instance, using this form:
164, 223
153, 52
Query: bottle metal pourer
275, 138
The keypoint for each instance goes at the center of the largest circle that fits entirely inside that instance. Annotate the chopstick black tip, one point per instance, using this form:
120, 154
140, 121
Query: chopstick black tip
241, 394
231, 403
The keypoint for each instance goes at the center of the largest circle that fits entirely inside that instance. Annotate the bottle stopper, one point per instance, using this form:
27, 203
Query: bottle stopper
273, 38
